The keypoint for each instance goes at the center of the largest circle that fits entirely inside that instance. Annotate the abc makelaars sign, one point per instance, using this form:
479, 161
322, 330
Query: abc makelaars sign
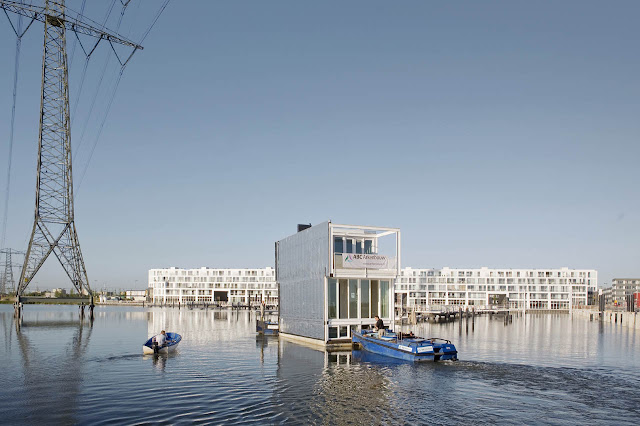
361, 261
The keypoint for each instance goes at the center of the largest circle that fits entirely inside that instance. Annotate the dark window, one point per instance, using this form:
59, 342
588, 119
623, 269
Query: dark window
368, 246
333, 332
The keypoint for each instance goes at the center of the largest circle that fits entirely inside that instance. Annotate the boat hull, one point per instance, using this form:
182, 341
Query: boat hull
413, 350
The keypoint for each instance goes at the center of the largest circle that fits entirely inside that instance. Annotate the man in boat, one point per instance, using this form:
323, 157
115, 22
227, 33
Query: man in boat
379, 327
159, 341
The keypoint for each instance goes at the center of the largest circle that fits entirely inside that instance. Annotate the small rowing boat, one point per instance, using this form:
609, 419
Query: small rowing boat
407, 347
170, 345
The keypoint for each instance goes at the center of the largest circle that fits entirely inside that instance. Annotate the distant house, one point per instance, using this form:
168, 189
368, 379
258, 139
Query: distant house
136, 295
623, 287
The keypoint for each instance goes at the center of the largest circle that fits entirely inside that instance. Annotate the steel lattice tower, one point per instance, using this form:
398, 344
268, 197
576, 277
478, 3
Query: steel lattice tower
54, 228
7, 281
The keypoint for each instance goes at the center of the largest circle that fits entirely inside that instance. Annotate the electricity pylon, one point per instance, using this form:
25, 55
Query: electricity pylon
54, 228
7, 280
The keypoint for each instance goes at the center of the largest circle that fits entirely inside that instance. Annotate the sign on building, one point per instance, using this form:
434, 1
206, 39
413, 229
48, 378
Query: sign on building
361, 261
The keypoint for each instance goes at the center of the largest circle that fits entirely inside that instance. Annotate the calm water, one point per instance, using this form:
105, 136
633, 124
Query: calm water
538, 369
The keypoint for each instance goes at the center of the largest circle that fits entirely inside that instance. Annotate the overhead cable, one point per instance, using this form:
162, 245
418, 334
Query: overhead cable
16, 68
104, 69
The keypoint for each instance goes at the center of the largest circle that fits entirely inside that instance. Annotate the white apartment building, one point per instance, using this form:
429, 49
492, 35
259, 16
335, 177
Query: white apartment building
531, 289
136, 295
223, 286
623, 287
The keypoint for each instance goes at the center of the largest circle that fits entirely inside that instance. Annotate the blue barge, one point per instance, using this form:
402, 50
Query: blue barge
405, 347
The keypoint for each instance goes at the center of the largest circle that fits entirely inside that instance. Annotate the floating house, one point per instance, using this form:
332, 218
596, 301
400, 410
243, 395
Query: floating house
333, 279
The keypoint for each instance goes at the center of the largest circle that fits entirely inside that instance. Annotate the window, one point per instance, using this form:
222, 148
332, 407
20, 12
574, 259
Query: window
368, 246
374, 298
353, 298
344, 299
337, 245
384, 299
349, 246
364, 299
332, 297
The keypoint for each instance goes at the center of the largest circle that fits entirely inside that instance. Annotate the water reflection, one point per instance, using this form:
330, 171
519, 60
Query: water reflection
46, 373
159, 361
61, 369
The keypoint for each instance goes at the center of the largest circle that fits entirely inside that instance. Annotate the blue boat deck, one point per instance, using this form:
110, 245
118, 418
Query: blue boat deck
410, 348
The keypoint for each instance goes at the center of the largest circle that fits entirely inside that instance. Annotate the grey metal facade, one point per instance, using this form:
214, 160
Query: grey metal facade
302, 263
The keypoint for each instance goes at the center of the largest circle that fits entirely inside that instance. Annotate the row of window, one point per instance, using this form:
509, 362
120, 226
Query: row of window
358, 298
213, 279
532, 304
209, 273
352, 245
216, 285
540, 288
494, 281
539, 274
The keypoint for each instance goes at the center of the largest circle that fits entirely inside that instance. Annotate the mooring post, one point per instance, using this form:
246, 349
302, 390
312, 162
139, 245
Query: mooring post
17, 307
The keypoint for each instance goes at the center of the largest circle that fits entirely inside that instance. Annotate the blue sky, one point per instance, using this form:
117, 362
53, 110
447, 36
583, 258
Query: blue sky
500, 134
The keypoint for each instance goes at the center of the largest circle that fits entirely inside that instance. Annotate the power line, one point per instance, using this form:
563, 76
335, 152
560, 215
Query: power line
73, 48
115, 88
104, 69
16, 68
146, 33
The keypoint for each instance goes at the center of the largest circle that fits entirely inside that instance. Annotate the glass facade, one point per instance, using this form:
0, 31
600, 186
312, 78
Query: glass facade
357, 298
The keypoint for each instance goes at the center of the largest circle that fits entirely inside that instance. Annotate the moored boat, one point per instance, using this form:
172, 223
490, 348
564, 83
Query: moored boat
407, 347
170, 345
267, 328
